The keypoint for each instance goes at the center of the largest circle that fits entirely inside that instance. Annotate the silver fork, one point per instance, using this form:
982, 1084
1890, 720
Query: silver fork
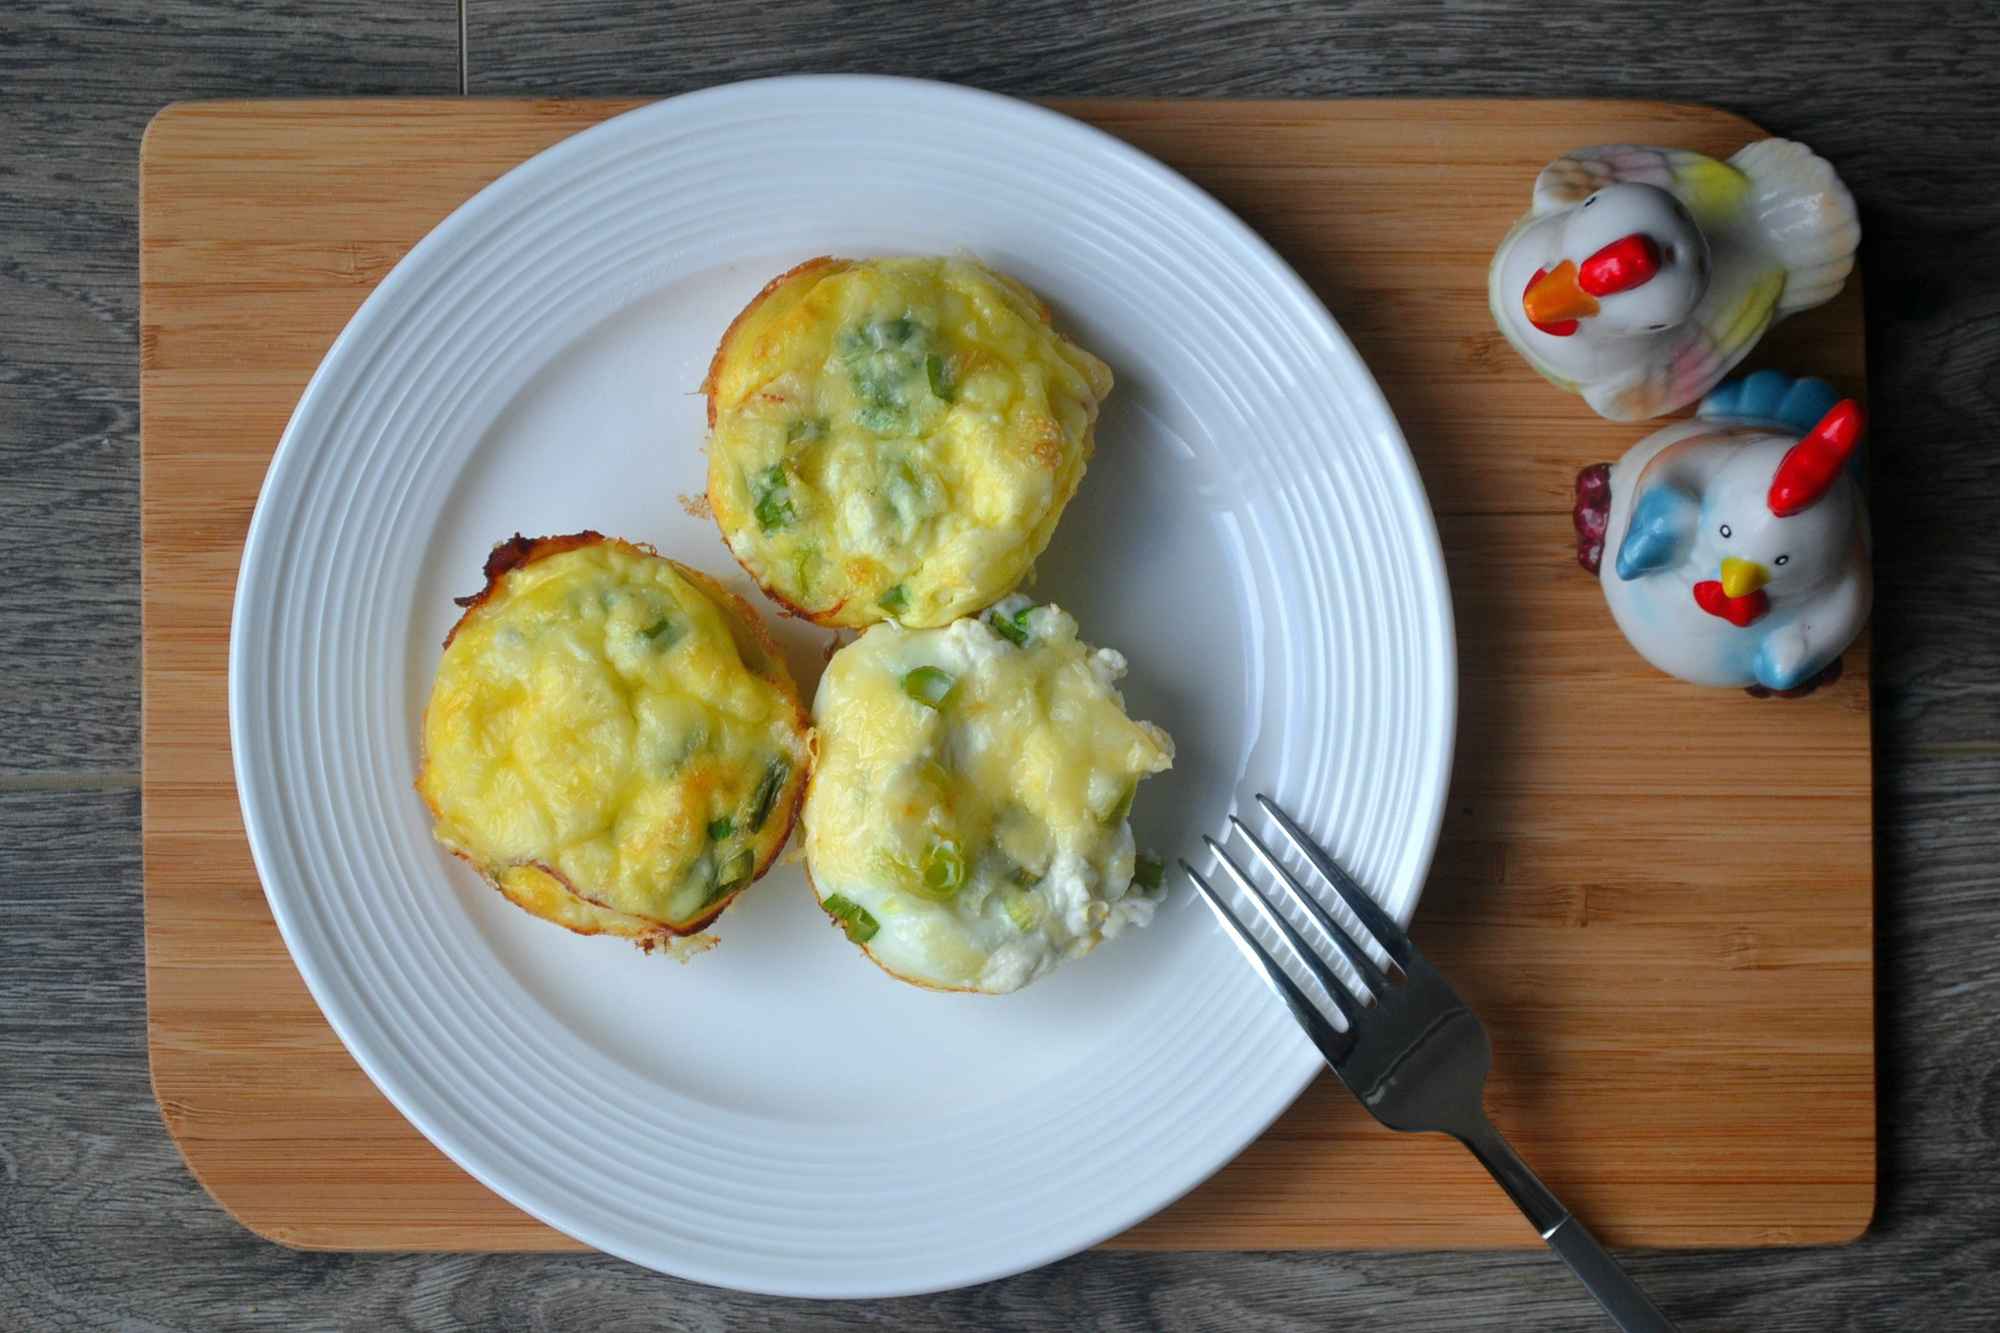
1412, 1052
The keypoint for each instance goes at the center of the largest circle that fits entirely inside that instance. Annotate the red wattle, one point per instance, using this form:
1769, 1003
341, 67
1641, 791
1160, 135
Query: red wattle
1738, 611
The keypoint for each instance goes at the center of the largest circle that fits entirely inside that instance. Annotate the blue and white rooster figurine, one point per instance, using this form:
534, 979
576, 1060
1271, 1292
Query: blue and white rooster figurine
1733, 548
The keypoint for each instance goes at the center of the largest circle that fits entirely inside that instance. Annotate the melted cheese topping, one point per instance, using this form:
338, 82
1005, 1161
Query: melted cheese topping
608, 745
985, 834
896, 438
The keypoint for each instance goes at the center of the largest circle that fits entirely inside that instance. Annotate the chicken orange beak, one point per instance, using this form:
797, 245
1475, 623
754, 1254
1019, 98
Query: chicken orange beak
1555, 296
1740, 578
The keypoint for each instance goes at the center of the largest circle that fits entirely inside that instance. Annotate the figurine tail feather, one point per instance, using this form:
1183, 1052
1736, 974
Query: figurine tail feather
1794, 402
1807, 218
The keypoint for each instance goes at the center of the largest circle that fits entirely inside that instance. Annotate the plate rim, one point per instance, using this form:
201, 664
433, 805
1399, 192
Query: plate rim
1374, 417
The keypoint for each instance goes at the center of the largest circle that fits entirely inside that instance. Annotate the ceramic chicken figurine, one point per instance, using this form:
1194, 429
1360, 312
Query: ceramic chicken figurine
1733, 548
1641, 276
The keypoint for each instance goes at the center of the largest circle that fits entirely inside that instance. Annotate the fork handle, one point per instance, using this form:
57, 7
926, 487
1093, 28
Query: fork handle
1629, 1307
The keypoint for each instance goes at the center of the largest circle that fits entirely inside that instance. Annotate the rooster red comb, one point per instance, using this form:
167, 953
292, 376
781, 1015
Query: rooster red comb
1628, 262
1809, 467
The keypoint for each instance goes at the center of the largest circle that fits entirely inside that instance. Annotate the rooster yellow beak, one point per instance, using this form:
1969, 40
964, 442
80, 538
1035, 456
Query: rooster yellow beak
1740, 578
1555, 296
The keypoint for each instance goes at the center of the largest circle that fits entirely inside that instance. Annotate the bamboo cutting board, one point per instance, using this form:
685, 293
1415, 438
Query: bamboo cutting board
1659, 898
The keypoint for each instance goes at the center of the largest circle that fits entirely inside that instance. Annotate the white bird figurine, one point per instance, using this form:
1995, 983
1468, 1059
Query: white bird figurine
1641, 276
1733, 549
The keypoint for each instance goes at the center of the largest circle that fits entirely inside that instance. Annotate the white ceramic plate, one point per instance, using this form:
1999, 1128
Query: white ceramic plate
778, 1115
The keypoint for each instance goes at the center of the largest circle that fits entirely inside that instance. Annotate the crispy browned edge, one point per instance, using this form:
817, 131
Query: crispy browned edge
729, 334
518, 551
785, 604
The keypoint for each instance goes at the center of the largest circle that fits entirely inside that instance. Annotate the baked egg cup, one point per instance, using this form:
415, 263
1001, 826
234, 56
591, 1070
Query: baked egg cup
894, 439
612, 740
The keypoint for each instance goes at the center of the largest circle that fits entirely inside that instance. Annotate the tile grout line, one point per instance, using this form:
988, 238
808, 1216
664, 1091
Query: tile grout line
463, 63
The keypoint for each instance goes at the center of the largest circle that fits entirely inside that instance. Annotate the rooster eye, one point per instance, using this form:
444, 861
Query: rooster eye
1588, 202
1654, 328
1781, 560
1726, 532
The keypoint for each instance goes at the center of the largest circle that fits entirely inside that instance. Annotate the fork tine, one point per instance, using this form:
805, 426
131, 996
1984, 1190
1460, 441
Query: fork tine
1335, 987
1376, 921
1332, 1044
1357, 956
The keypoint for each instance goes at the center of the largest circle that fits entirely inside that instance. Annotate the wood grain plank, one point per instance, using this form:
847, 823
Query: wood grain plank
1617, 970
78, 84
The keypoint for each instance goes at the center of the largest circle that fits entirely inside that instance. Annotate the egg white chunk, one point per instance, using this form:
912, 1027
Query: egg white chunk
967, 816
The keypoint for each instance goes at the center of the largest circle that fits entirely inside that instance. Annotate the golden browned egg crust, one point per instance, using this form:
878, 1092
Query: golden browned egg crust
895, 438
612, 740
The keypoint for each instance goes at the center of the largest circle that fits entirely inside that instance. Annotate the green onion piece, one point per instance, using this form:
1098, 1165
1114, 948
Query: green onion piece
718, 829
1124, 806
664, 632
883, 419
859, 923
1149, 872
944, 872
896, 330
1024, 909
929, 686
1024, 877
702, 876
895, 601
767, 792
736, 869
805, 430
1014, 628
772, 494
940, 378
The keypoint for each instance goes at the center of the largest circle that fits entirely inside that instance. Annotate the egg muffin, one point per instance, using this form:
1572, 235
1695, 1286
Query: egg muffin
895, 438
612, 740
966, 823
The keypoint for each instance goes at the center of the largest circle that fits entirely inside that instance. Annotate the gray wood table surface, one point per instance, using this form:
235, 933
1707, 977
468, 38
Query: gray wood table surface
101, 1224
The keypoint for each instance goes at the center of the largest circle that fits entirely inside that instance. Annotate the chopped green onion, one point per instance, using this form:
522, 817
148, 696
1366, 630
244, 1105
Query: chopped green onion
736, 869
859, 923
805, 430
718, 829
1024, 877
944, 872
895, 601
767, 792
1014, 628
702, 876
664, 632
772, 495
929, 686
1149, 872
1024, 908
1124, 806
896, 330
940, 378
883, 418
